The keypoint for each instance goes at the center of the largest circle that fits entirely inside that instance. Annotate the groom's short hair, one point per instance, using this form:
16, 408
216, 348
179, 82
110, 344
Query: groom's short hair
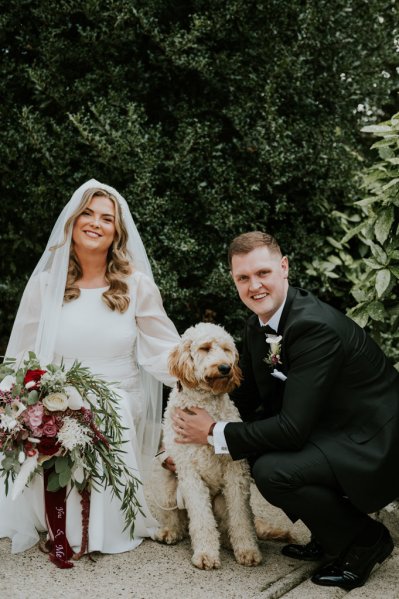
246, 242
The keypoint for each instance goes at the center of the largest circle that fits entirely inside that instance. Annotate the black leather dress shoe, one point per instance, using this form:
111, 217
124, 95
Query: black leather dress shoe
311, 552
354, 566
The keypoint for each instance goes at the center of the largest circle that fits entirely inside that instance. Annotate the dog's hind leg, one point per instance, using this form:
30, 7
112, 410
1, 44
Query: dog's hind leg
241, 527
202, 524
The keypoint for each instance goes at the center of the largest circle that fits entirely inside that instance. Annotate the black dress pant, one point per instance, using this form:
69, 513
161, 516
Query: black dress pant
303, 484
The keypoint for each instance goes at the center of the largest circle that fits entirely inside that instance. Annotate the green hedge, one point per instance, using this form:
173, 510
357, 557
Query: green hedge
210, 118
366, 257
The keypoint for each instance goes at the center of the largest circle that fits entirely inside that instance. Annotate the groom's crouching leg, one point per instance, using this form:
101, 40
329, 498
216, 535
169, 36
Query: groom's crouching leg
272, 483
303, 485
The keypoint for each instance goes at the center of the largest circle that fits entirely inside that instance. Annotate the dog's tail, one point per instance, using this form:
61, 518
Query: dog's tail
266, 532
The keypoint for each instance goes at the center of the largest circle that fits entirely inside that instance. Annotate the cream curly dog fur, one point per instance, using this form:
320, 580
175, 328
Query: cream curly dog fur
214, 488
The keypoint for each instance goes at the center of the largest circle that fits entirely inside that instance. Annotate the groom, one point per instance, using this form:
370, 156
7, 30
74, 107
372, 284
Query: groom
320, 403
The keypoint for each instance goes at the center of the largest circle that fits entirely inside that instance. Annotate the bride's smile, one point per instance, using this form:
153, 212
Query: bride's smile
94, 229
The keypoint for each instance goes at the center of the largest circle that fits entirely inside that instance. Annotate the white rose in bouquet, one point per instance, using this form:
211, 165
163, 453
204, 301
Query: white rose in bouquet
56, 402
75, 401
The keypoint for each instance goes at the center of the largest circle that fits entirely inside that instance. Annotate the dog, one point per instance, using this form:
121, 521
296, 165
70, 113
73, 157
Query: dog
210, 495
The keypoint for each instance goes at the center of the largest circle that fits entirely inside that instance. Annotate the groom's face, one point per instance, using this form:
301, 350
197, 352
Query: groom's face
261, 280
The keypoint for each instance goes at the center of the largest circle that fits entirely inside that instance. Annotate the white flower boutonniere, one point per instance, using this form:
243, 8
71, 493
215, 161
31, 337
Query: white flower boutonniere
274, 357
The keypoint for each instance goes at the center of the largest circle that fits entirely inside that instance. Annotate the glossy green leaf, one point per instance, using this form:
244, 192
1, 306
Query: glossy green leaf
382, 280
53, 483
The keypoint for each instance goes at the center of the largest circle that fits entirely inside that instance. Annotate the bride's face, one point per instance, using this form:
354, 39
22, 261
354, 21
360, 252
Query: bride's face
94, 229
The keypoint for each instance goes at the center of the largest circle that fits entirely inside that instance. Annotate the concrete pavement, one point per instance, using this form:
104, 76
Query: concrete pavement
156, 571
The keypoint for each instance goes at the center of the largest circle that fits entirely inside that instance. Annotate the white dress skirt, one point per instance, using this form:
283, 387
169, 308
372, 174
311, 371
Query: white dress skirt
112, 345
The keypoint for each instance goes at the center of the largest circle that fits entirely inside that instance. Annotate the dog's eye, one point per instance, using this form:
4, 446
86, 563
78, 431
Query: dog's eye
226, 349
205, 348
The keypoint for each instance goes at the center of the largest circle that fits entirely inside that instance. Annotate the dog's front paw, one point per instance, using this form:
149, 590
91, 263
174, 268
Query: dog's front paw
248, 557
167, 535
206, 561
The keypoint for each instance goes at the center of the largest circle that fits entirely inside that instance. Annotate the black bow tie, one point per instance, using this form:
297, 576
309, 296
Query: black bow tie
267, 330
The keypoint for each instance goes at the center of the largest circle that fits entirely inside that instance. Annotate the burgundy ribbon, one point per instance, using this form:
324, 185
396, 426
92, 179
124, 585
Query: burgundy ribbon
55, 508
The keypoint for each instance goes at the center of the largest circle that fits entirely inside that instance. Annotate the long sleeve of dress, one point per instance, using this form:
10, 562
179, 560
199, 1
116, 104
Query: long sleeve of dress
25, 329
156, 335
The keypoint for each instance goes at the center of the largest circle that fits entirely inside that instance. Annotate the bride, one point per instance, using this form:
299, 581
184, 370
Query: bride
92, 298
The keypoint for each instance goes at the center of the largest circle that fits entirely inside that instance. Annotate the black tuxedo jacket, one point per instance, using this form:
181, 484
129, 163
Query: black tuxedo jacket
341, 394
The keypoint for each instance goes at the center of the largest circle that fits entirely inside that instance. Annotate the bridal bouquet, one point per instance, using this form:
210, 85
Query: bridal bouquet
62, 424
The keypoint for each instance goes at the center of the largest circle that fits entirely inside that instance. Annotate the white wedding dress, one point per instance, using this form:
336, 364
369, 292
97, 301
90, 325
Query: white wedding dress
112, 345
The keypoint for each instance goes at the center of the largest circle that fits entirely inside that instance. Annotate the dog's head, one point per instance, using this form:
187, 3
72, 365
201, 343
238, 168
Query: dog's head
207, 359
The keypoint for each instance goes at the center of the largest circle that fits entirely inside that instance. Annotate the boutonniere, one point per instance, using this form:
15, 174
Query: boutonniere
274, 357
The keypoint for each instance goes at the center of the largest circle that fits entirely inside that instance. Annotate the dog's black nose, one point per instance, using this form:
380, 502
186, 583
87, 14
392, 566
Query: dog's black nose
224, 368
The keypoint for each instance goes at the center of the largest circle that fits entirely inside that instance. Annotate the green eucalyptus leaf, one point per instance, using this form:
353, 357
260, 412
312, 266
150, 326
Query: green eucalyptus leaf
19, 377
9, 462
65, 477
33, 397
61, 464
53, 483
49, 463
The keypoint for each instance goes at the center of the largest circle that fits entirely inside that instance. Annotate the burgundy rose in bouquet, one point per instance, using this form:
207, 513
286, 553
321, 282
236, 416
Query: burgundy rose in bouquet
32, 379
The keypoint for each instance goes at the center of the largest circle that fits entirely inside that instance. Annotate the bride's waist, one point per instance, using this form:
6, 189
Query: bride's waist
120, 370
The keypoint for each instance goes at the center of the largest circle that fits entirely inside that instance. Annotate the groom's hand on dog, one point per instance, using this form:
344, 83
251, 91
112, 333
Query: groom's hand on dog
192, 426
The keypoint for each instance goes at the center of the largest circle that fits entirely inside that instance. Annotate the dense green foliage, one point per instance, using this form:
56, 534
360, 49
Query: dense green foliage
211, 118
367, 256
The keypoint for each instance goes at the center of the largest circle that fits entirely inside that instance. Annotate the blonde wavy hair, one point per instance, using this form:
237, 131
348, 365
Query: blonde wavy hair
119, 266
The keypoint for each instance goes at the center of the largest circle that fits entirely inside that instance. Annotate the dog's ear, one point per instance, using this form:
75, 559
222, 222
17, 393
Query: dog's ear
236, 372
181, 364
236, 375
173, 361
